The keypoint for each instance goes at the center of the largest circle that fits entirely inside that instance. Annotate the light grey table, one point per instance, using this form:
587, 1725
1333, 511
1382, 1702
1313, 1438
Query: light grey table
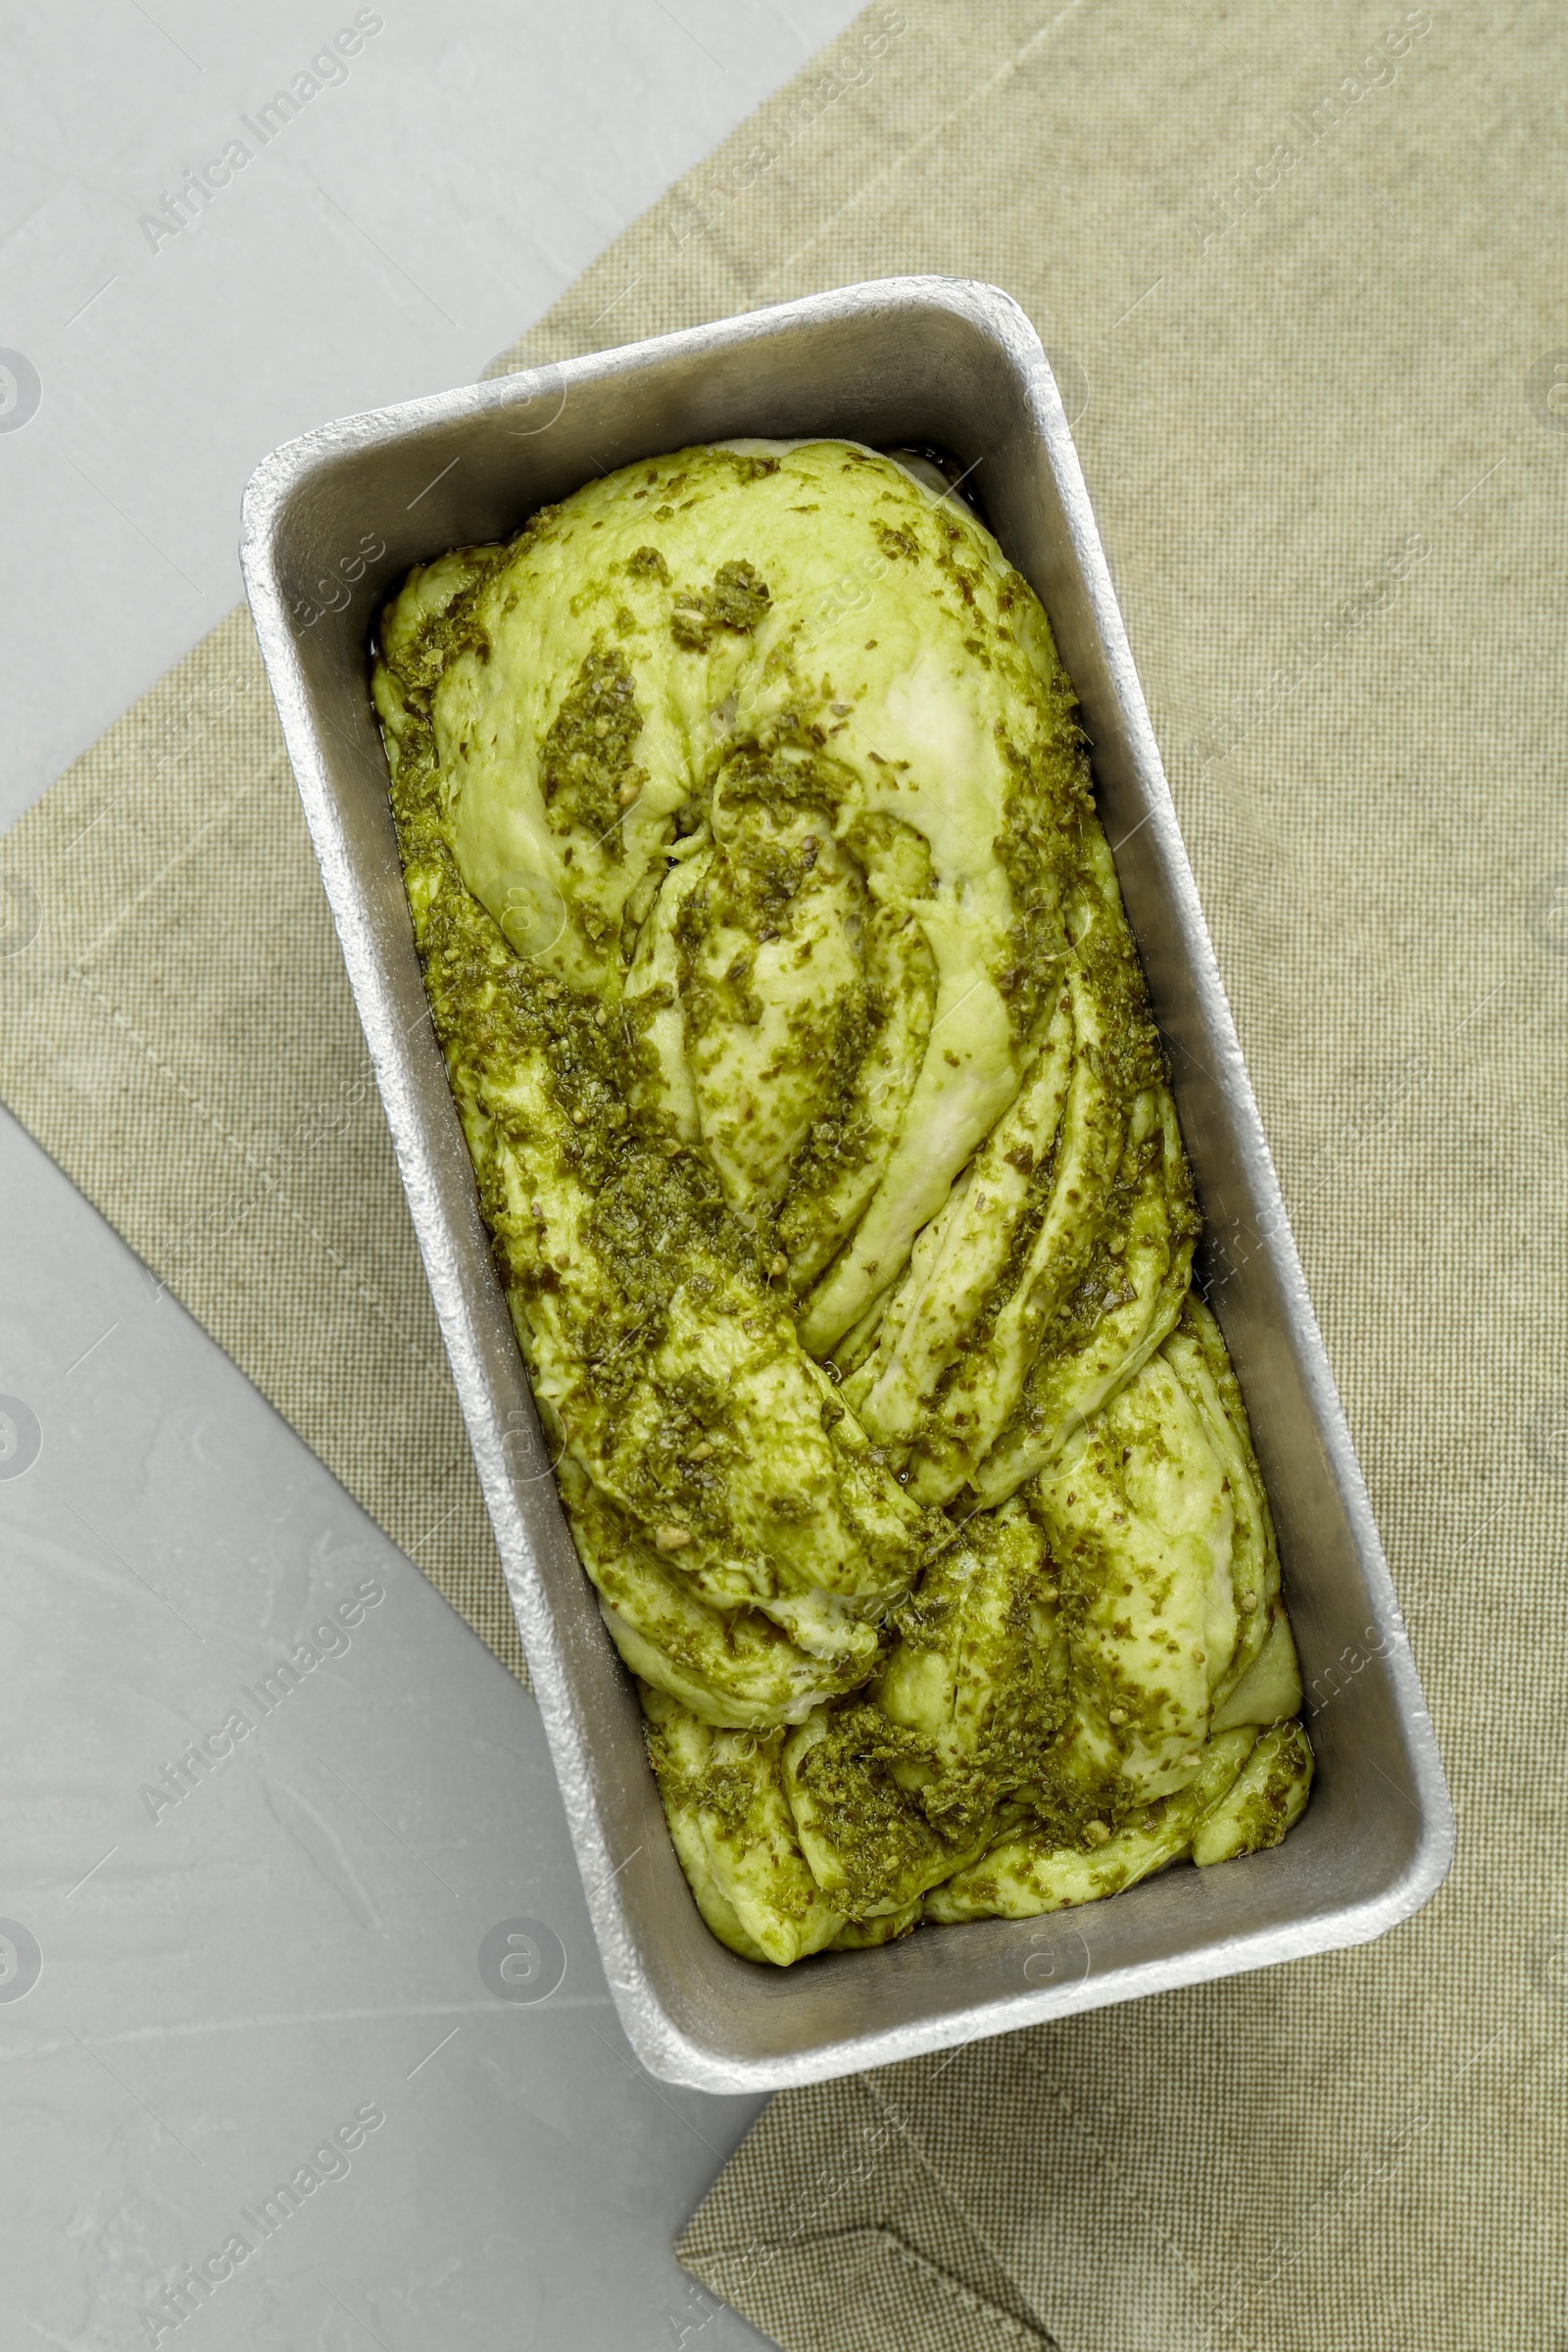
196, 1996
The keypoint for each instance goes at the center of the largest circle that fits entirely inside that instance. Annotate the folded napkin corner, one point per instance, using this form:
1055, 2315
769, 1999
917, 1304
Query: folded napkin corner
857, 2290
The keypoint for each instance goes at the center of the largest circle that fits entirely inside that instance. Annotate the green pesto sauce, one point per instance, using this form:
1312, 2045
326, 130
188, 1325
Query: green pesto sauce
747, 843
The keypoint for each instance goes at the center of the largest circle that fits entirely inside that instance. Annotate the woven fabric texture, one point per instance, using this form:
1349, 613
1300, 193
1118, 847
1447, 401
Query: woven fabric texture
176, 1030
1301, 269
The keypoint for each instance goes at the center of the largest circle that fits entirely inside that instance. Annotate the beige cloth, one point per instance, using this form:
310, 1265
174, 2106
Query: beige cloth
1303, 267
175, 1028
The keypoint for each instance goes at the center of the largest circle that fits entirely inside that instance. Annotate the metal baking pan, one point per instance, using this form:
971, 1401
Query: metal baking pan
332, 523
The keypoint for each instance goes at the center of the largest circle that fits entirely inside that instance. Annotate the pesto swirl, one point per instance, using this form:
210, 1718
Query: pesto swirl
836, 1187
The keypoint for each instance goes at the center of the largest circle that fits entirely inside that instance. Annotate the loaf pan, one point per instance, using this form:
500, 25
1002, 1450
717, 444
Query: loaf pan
331, 523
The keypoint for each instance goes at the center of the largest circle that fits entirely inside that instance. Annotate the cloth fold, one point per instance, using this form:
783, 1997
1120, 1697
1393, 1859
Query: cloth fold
1298, 271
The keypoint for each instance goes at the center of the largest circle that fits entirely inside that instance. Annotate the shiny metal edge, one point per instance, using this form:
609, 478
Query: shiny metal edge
1356, 1865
